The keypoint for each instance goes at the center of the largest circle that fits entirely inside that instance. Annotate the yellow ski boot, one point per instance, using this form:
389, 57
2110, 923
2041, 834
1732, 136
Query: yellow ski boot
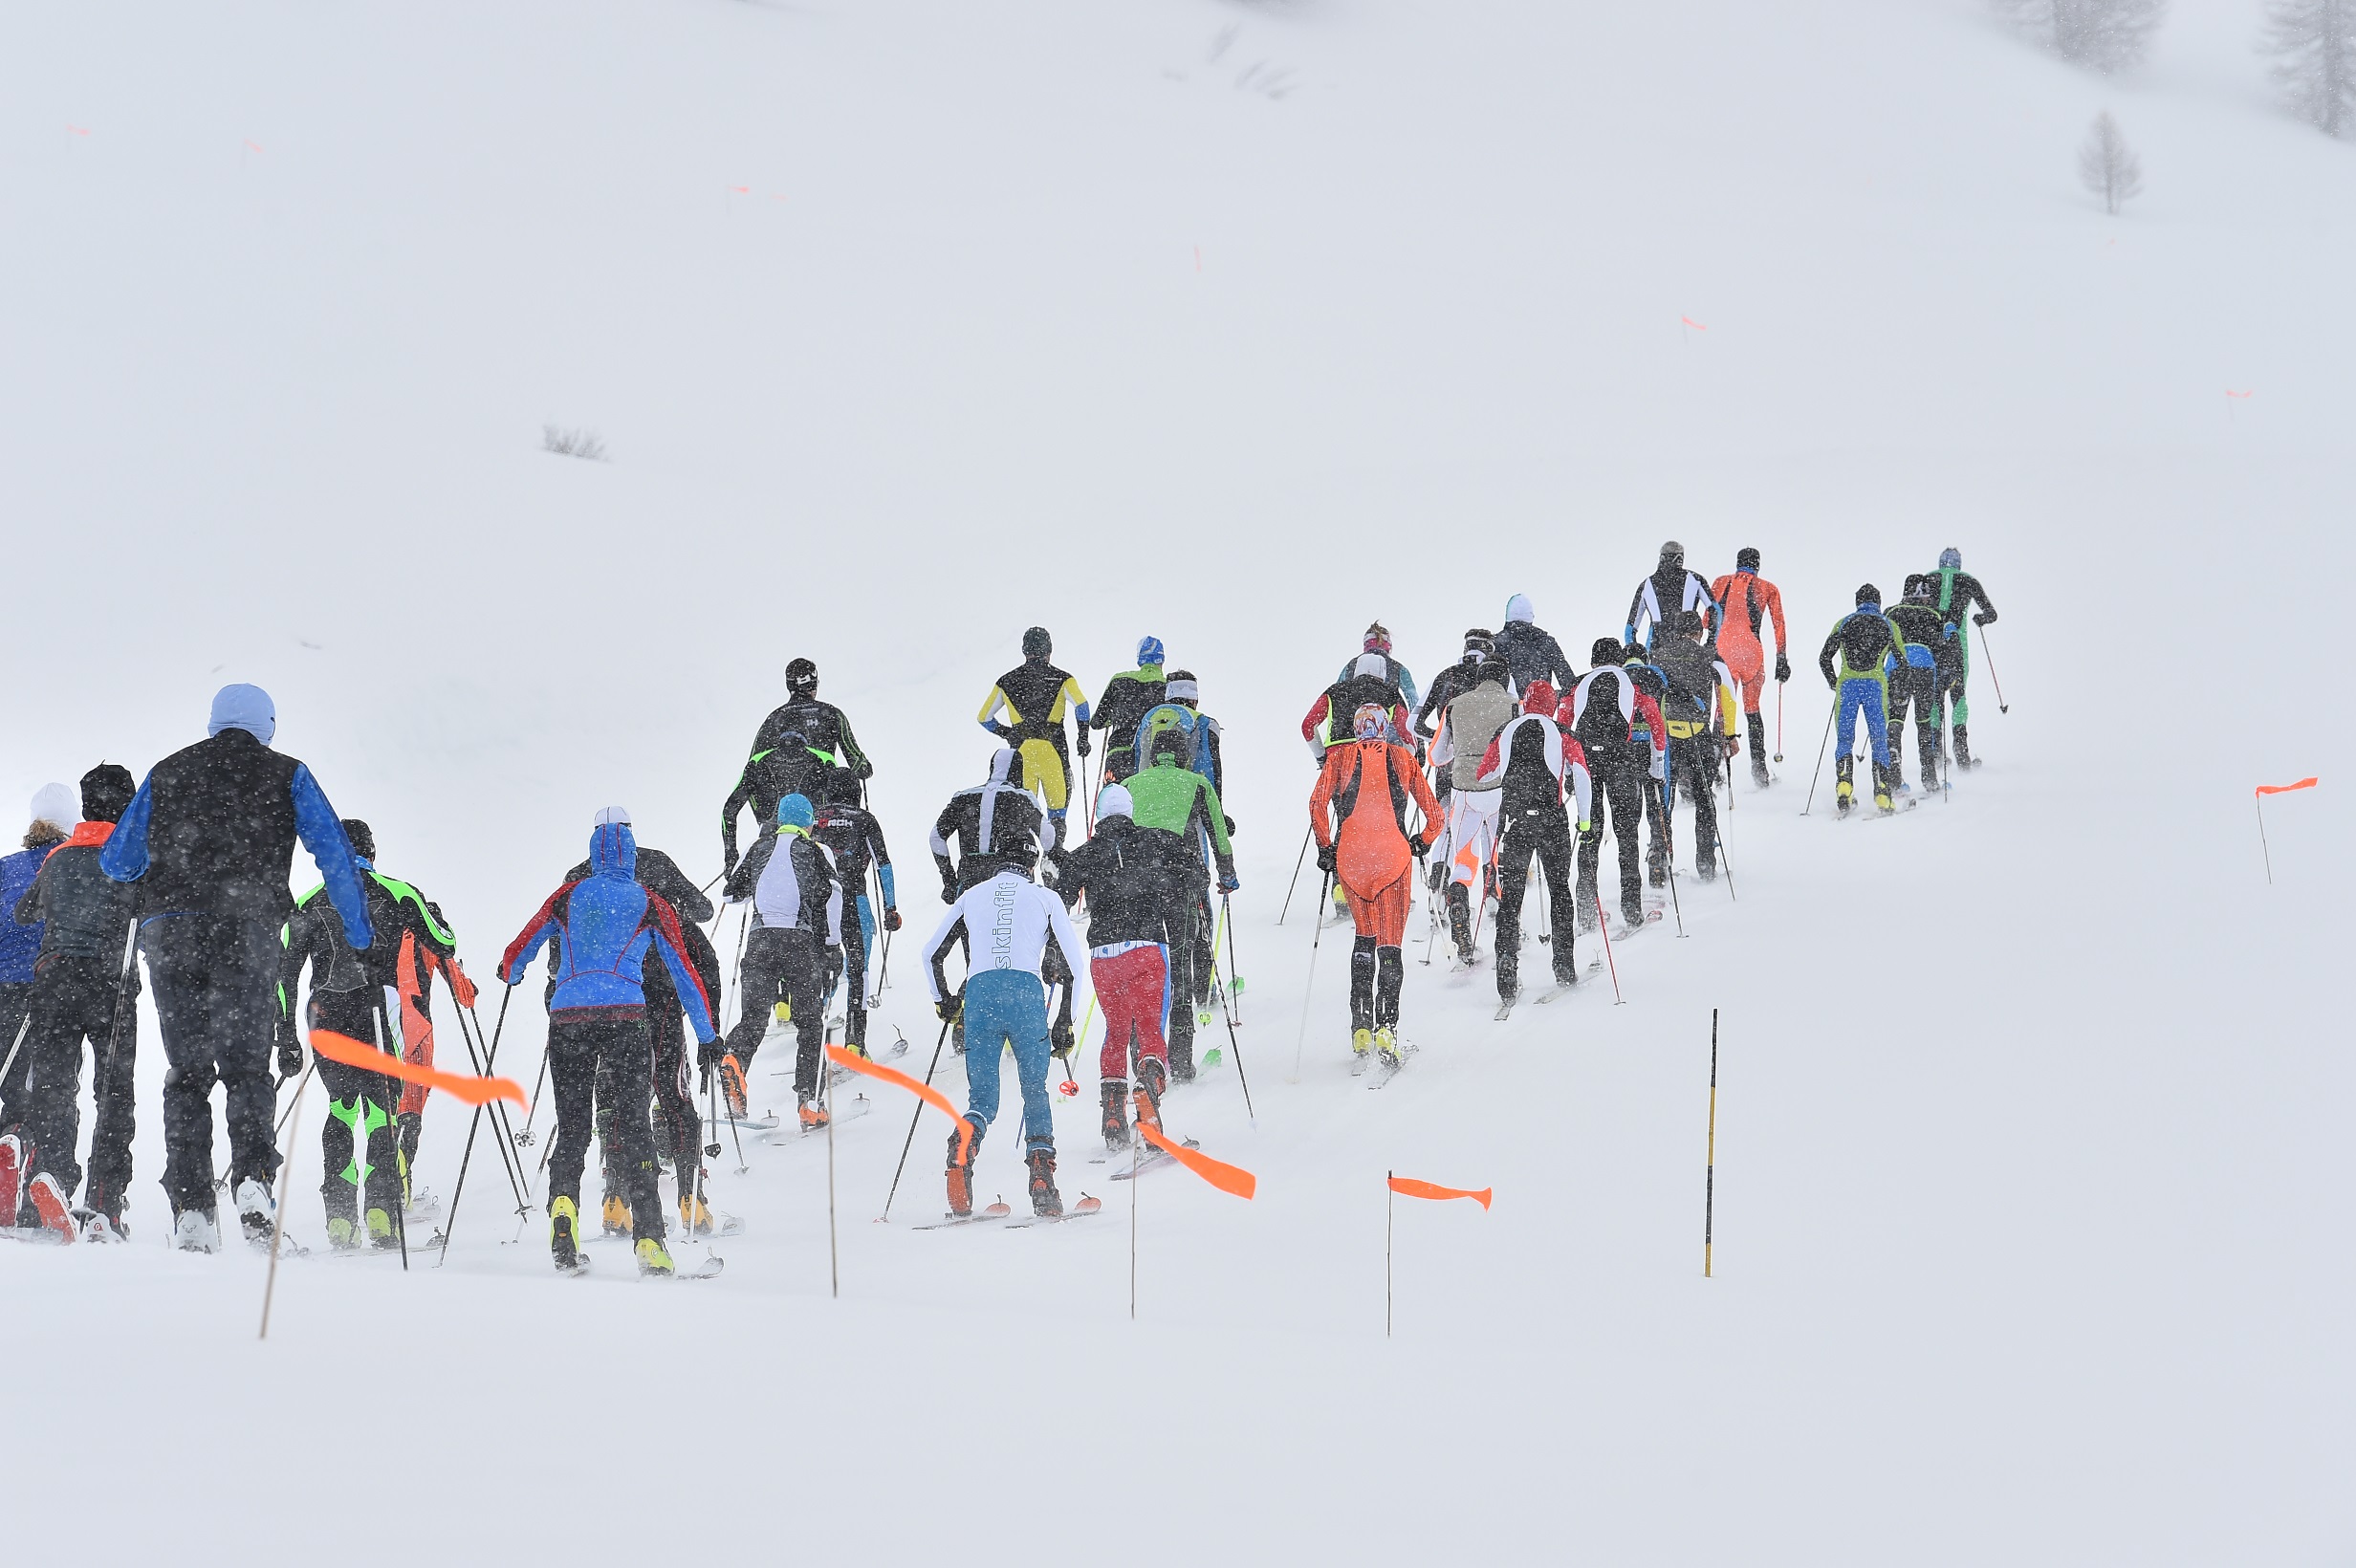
615, 1214
653, 1261
564, 1235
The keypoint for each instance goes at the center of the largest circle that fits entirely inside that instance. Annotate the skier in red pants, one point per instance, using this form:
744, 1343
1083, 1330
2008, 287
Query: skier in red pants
1134, 894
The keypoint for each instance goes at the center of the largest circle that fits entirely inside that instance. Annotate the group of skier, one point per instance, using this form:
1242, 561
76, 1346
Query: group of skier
1511, 758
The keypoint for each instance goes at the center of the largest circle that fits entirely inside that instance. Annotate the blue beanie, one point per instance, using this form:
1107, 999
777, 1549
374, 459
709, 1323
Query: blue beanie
1952, 557
245, 707
793, 811
1149, 650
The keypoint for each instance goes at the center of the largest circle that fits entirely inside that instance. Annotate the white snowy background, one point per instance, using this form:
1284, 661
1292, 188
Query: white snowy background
910, 323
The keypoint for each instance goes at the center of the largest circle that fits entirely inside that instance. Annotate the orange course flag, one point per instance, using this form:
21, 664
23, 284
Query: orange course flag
1406, 1187
925, 1092
1218, 1173
464, 1087
2285, 788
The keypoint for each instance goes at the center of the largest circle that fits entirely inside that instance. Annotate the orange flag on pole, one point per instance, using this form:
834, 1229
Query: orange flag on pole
923, 1090
1218, 1173
2285, 788
1406, 1187
467, 1088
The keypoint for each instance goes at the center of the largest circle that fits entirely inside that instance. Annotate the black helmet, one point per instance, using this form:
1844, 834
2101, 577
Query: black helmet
801, 678
107, 789
1747, 558
1037, 644
1672, 551
363, 841
1606, 651
1866, 594
837, 786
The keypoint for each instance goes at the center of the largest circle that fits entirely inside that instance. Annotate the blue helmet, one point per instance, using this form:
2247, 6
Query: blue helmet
1951, 559
1149, 650
794, 811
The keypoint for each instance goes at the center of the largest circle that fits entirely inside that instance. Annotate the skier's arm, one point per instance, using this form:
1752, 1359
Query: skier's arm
1437, 697
124, 858
942, 827
321, 831
1314, 721
748, 872
1582, 786
935, 953
1320, 797
1832, 645
1060, 931
847, 748
673, 944
1636, 608
1650, 713
1972, 590
1493, 758
1425, 801
991, 704
1775, 609
528, 942
662, 874
1222, 851
1070, 693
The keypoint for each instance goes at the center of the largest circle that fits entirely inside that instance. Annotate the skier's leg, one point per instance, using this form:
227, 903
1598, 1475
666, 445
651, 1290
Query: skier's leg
179, 962
1512, 881
111, 1088
680, 1132
1627, 786
987, 1021
1182, 955
804, 967
245, 993
757, 979
854, 998
341, 1146
1391, 971
625, 1059
1362, 978
51, 1057
1553, 853
572, 1076
1701, 772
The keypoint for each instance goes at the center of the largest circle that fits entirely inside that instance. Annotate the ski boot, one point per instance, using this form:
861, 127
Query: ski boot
1387, 1046
49, 1202
1045, 1200
1883, 782
97, 1225
694, 1214
380, 1233
1361, 1042
1963, 748
1844, 791
1150, 1087
812, 1115
1116, 1127
653, 1261
733, 1087
13, 1176
1756, 724
961, 1171
1460, 921
258, 1212
342, 1235
564, 1235
1180, 1061
196, 1231
614, 1216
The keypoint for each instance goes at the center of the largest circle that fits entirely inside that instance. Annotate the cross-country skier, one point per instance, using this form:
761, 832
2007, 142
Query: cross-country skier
1138, 905
1530, 762
603, 925
210, 838
1377, 641
1958, 592
798, 899
1034, 695
1744, 597
1359, 814
1646, 676
1186, 692
1915, 681
1129, 697
1530, 654
995, 822
80, 918
1619, 727
379, 998
851, 833
678, 1129
1669, 589
1864, 641
1168, 796
1372, 679
1479, 647
1478, 707
1699, 709
1008, 924
794, 742
53, 818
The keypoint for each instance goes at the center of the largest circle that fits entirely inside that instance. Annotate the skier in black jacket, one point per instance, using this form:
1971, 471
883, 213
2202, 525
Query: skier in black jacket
1618, 725
1035, 696
1533, 761
1140, 890
798, 899
1957, 591
996, 822
82, 990
855, 839
1701, 708
1916, 681
792, 744
1669, 589
210, 838
1530, 653
368, 1138
1129, 697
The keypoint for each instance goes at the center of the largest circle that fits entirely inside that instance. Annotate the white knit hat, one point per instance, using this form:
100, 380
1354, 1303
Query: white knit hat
57, 806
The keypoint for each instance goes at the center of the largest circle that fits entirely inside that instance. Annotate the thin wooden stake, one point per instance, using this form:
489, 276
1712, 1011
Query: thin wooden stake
2262, 840
1710, 1171
286, 1184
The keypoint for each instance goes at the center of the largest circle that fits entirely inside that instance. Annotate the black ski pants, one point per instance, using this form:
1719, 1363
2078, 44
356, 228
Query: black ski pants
359, 1140
607, 1060
678, 1129
1917, 688
849, 962
789, 966
1546, 834
1622, 787
1376, 974
1694, 764
74, 1002
15, 1007
215, 979
1188, 978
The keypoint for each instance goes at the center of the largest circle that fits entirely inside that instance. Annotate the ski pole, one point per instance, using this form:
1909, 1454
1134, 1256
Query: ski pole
1300, 1041
401, 1196
523, 1202
706, 1151
502, 1128
286, 1184
911, 1141
1726, 860
1603, 923
1306, 834
22, 1030
2001, 705
1235, 976
1818, 776
1668, 836
1778, 717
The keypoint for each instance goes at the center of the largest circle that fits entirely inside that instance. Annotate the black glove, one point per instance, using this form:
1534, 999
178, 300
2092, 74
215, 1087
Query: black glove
891, 920
1983, 617
1325, 859
290, 1052
947, 1008
949, 892
1060, 1041
1783, 668
1831, 684
1084, 743
1421, 845
1231, 825
707, 1054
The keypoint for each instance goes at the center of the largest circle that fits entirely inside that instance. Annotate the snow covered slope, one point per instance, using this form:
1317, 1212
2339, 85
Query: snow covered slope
910, 323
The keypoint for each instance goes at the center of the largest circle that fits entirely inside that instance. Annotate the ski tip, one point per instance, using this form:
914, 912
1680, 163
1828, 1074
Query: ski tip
997, 1211
1087, 1204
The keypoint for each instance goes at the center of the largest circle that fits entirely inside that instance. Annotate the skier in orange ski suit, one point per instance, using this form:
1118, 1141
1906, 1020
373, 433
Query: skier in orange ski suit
1359, 812
1743, 597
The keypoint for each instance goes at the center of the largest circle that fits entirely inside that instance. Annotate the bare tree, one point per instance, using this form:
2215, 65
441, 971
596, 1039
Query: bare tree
2102, 34
2314, 46
582, 443
2106, 165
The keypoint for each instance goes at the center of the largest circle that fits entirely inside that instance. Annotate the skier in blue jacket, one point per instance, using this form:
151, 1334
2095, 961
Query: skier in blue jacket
600, 1047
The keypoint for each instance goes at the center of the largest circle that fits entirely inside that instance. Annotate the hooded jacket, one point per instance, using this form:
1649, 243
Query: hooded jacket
19, 945
214, 827
1614, 720
1131, 887
996, 823
74, 910
1530, 653
602, 926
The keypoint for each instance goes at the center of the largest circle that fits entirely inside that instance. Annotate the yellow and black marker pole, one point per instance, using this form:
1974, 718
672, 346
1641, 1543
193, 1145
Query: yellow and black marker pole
1709, 1171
